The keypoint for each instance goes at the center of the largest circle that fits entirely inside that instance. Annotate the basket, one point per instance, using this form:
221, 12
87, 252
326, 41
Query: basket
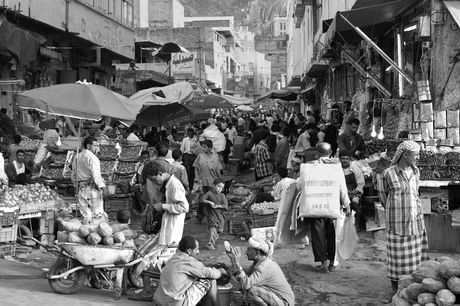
130, 152
8, 234
7, 249
9, 217
263, 220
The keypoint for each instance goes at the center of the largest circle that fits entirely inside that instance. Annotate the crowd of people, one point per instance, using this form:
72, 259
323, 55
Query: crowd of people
185, 165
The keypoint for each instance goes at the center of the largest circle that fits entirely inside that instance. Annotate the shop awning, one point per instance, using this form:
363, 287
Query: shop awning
454, 10
17, 42
372, 20
317, 68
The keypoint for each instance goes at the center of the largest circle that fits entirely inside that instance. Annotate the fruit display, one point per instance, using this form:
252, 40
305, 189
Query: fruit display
391, 120
265, 205
439, 173
103, 233
126, 167
28, 195
453, 158
435, 282
108, 151
131, 152
29, 144
52, 172
430, 158
107, 166
375, 146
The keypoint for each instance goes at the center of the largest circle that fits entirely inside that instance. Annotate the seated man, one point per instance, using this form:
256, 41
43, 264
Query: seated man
184, 280
17, 171
354, 179
294, 172
263, 282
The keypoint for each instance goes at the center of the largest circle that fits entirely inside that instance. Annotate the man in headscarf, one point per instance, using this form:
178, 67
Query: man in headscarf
407, 242
263, 282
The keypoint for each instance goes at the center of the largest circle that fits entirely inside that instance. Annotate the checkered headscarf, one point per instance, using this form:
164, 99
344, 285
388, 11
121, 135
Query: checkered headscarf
405, 146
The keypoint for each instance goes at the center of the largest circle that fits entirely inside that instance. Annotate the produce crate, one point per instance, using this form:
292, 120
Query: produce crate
47, 226
8, 234
7, 249
234, 227
126, 167
130, 152
113, 203
108, 151
263, 220
122, 177
9, 216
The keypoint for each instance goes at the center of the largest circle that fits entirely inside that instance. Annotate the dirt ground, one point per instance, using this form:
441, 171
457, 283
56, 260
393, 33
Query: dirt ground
360, 280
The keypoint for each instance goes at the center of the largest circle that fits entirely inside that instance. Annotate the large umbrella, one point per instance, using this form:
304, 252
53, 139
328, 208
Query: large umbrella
283, 94
82, 101
158, 114
210, 101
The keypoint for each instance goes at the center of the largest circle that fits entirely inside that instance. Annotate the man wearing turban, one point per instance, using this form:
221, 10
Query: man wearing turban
407, 242
263, 282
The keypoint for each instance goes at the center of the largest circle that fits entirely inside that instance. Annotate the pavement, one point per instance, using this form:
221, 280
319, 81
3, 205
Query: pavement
25, 284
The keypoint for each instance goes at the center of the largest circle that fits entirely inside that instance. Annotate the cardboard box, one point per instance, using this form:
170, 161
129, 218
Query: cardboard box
453, 117
440, 120
264, 232
426, 204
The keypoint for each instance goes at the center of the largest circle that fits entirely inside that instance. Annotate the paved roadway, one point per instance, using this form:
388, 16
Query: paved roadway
23, 284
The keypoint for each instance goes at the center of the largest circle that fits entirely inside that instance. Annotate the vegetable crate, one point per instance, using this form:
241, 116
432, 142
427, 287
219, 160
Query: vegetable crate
7, 249
9, 216
234, 227
47, 226
8, 234
263, 220
114, 203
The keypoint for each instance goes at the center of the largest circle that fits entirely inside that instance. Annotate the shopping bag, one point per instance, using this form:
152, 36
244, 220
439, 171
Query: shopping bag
349, 241
320, 190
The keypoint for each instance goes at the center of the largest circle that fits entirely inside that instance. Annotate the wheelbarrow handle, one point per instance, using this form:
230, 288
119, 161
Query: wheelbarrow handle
47, 247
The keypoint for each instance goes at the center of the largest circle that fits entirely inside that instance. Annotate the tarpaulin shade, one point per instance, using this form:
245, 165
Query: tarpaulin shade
282, 94
372, 20
178, 92
454, 10
169, 114
79, 101
18, 43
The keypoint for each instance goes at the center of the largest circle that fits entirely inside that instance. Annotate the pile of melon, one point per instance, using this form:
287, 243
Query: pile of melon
434, 283
112, 235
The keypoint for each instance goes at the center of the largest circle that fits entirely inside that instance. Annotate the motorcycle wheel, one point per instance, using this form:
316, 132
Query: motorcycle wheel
134, 279
72, 283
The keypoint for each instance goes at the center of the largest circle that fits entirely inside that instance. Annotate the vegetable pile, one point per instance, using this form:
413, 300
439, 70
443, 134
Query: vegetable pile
375, 146
28, 195
266, 205
116, 234
433, 283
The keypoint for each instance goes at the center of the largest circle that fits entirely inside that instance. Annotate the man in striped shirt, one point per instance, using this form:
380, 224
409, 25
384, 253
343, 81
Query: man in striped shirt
407, 242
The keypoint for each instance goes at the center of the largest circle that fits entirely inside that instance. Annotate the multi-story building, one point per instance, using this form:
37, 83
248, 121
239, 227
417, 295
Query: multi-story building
65, 41
272, 41
350, 50
158, 14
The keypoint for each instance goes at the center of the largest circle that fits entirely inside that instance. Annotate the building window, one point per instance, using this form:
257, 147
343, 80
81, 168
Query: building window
111, 5
127, 12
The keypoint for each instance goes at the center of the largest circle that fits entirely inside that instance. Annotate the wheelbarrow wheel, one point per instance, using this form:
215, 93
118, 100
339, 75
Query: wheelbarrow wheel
70, 284
135, 280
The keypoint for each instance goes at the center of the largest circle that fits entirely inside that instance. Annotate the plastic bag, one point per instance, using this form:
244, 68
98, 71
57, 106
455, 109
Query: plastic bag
349, 241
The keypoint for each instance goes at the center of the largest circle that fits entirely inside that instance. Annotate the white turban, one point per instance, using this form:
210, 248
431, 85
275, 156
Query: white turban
405, 146
265, 246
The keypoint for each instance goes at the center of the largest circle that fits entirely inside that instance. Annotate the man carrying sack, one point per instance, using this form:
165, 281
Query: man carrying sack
86, 177
323, 191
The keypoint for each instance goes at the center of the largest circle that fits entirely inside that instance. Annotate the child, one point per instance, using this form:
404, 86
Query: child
179, 169
214, 209
14, 147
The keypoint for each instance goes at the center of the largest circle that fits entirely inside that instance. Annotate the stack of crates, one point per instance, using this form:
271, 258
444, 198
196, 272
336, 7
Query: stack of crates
8, 230
48, 228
